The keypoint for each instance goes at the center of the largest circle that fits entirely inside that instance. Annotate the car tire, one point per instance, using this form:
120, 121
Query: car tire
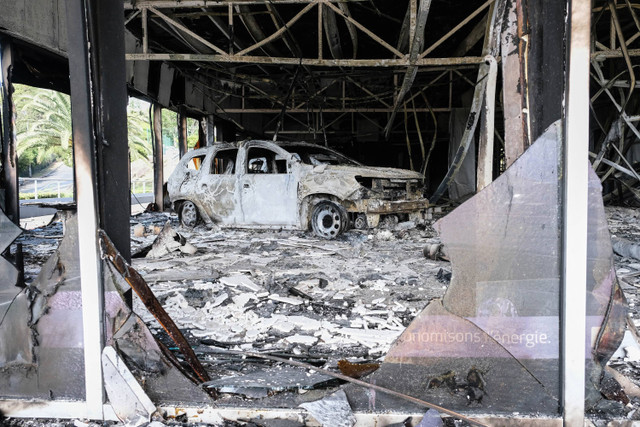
188, 214
328, 220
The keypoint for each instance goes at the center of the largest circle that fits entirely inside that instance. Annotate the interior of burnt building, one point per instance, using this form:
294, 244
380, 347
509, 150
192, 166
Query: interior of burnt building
498, 103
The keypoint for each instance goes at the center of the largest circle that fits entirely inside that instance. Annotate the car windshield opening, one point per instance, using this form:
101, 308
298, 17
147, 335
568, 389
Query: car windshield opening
319, 156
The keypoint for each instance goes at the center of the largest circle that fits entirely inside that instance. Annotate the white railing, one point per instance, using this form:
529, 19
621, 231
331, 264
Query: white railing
64, 187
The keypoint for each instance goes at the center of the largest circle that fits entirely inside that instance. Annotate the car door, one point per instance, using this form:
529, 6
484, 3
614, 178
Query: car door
217, 187
269, 191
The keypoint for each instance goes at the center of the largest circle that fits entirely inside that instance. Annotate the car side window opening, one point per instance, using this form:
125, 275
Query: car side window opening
261, 160
195, 162
224, 162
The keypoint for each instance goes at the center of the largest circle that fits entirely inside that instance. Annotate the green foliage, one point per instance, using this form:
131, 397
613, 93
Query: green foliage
45, 195
170, 127
43, 126
44, 133
139, 130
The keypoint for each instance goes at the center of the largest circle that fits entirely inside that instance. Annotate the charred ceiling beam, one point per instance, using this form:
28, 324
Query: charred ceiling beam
184, 4
324, 110
400, 62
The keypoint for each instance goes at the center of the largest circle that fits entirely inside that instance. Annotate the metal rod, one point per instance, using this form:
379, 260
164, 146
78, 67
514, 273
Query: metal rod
365, 30
140, 287
278, 33
623, 48
188, 31
357, 382
455, 29
416, 44
574, 214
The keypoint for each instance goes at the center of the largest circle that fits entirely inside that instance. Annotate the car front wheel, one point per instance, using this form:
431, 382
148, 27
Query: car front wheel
328, 220
188, 214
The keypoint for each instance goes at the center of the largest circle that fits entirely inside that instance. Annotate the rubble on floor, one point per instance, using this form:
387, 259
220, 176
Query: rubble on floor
287, 293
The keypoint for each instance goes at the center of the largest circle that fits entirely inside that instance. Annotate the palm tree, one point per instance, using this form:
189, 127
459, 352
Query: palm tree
44, 133
43, 125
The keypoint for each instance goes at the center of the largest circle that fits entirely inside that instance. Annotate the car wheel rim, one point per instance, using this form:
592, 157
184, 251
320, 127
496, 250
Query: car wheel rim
360, 222
189, 214
329, 221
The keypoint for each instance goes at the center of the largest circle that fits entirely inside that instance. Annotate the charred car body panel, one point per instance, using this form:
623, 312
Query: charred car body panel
265, 184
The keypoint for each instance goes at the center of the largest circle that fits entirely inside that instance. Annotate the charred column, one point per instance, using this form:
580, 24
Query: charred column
546, 63
9, 143
182, 133
101, 162
158, 162
210, 131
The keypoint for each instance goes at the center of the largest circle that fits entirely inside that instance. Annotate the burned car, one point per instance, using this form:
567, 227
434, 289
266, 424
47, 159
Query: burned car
290, 185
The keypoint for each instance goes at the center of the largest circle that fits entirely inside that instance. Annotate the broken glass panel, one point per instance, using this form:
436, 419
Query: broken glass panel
42, 337
493, 342
42, 331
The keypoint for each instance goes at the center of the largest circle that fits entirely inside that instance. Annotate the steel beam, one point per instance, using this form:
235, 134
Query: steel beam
574, 213
9, 142
617, 53
400, 62
324, 110
158, 161
186, 4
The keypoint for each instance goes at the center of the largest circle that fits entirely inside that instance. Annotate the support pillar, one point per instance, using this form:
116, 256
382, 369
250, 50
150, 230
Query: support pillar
101, 163
158, 160
514, 81
182, 134
9, 143
575, 208
210, 131
545, 63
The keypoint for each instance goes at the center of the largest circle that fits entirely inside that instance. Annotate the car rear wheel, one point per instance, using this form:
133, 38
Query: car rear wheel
328, 220
188, 214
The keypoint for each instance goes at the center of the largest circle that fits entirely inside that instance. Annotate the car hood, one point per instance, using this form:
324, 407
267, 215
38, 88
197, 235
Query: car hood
368, 171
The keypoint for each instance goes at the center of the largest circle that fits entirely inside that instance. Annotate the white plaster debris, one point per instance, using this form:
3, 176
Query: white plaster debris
286, 300
358, 294
240, 280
